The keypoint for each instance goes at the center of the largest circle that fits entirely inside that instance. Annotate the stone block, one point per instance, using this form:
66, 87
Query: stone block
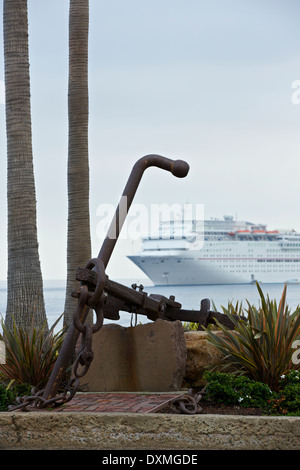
200, 354
149, 357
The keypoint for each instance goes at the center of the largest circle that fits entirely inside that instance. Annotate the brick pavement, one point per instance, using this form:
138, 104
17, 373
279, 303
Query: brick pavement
118, 402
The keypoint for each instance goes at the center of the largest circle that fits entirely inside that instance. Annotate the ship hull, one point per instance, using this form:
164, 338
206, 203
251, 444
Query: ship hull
184, 272
194, 270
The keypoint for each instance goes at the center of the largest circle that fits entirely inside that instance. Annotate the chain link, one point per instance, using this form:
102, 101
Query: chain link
189, 403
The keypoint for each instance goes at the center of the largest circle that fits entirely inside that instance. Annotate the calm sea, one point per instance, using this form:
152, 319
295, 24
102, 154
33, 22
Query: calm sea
189, 296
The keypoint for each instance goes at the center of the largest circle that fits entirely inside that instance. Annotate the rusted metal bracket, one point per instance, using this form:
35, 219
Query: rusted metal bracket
153, 306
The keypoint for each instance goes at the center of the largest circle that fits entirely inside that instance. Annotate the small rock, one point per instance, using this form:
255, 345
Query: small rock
200, 354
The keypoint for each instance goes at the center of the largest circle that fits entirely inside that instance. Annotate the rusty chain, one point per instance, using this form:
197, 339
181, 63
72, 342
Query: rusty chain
92, 299
189, 403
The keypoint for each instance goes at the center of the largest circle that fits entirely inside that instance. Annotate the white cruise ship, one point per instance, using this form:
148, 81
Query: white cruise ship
219, 252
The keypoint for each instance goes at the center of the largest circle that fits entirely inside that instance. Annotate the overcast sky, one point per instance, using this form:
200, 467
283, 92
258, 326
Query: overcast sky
208, 81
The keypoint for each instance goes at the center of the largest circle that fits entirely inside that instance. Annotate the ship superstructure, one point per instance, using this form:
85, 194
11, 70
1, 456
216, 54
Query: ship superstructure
219, 251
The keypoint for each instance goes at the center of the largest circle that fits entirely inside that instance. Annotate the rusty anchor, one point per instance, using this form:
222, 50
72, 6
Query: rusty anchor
154, 306
107, 298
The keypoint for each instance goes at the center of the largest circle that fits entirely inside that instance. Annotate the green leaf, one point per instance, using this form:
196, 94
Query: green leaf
261, 346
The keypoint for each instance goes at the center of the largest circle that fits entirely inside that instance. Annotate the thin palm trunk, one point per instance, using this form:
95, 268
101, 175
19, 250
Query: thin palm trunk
25, 299
78, 243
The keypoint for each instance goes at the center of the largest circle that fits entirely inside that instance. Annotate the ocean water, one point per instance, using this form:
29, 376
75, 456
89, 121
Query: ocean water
189, 297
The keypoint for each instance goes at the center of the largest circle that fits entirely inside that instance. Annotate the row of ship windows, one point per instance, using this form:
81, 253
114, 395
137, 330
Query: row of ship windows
278, 260
250, 250
262, 271
250, 255
291, 244
250, 245
239, 261
284, 260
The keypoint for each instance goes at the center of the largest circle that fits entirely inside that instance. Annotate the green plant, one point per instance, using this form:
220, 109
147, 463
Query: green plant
239, 390
233, 309
6, 397
236, 309
287, 400
231, 389
261, 347
9, 393
190, 326
30, 354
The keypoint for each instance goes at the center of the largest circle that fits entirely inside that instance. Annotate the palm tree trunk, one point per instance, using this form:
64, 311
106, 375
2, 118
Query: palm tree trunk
25, 299
78, 242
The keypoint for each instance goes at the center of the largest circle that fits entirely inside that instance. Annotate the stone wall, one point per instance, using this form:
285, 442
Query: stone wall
50, 430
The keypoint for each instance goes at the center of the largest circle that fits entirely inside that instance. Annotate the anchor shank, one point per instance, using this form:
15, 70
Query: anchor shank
178, 168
